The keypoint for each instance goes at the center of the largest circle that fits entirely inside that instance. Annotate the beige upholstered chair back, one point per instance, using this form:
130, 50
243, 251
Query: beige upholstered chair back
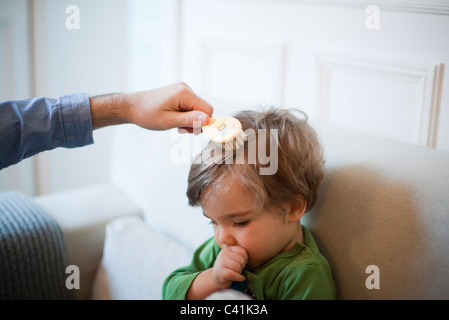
384, 204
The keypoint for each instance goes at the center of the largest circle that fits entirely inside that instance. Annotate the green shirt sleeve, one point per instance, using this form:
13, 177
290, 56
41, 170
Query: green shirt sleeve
178, 282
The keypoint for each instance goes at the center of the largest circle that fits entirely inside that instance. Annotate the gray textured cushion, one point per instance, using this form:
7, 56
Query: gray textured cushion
32, 251
383, 203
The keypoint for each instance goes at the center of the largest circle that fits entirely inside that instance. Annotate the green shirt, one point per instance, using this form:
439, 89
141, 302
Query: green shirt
299, 273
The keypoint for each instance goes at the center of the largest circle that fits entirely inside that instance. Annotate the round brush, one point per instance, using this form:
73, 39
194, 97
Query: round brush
226, 131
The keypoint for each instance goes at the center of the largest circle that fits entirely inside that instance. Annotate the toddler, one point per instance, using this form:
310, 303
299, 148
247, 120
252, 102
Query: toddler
259, 245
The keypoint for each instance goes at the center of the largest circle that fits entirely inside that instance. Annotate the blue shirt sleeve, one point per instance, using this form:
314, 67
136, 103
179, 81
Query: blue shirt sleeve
30, 126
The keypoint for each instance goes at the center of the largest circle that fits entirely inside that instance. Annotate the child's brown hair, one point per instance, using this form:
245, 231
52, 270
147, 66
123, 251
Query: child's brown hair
300, 164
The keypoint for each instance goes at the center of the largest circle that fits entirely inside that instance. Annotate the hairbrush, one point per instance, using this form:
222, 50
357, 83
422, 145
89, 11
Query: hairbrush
226, 131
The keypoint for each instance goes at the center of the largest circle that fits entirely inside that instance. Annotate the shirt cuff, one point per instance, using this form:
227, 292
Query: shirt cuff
76, 120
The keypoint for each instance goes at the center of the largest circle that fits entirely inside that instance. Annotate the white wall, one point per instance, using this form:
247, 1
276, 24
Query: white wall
16, 81
48, 59
121, 45
89, 59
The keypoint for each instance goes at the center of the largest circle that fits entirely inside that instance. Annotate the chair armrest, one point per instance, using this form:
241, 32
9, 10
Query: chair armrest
82, 215
136, 261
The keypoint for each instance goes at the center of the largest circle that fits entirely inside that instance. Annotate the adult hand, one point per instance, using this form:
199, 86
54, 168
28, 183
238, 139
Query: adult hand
173, 106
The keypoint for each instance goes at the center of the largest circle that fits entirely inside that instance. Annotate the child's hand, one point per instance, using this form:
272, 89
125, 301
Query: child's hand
228, 266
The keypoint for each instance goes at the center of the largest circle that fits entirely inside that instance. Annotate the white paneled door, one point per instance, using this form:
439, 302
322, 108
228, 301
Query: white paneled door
373, 67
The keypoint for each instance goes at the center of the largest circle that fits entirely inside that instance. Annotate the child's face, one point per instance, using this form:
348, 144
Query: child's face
237, 222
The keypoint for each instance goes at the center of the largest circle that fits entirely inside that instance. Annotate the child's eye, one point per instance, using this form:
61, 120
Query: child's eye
212, 222
242, 223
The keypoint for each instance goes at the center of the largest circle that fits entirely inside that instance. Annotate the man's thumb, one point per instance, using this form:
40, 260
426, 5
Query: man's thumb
192, 118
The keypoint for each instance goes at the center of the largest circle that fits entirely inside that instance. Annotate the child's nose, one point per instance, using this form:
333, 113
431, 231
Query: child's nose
224, 237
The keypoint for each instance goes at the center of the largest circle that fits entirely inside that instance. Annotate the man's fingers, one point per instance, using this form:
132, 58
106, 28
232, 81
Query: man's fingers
190, 119
189, 101
194, 118
182, 130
